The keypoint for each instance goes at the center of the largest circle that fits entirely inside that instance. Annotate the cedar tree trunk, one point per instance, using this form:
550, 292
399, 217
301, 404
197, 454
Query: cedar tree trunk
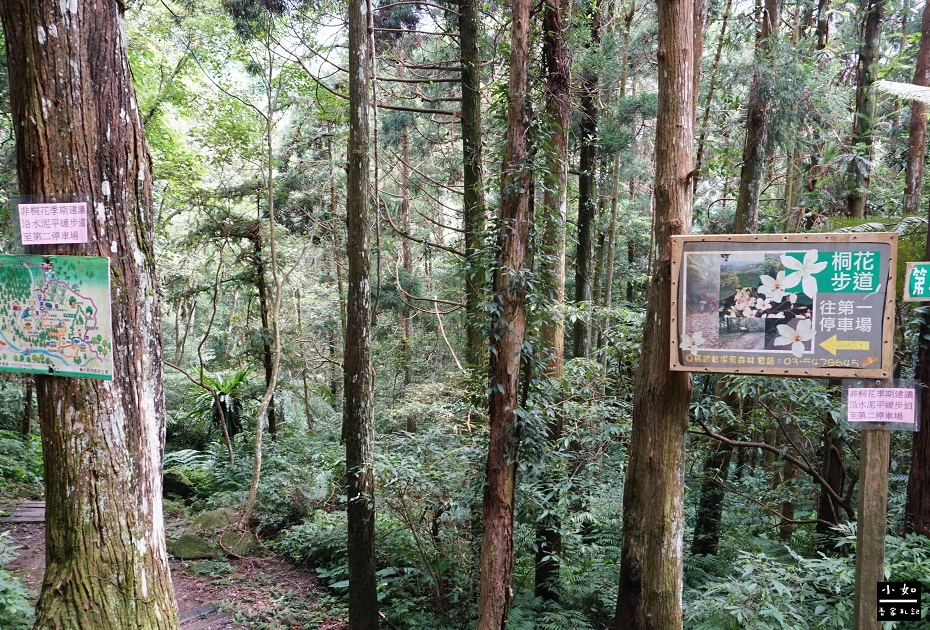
78, 131
758, 121
917, 144
495, 592
653, 511
473, 203
859, 172
358, 385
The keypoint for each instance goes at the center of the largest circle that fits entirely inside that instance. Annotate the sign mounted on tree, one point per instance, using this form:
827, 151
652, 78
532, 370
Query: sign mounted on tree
55, 316
789, 305
917, 282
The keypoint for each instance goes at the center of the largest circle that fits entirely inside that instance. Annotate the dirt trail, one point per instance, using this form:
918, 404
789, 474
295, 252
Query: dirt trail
252, 589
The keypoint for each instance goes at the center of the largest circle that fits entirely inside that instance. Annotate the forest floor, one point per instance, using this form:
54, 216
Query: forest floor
255, 593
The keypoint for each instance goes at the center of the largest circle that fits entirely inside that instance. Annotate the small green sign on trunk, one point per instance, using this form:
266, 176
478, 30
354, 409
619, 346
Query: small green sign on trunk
917, 282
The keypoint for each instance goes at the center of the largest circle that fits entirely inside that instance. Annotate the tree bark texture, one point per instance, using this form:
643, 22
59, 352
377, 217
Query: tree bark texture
555, 200
473, 205
917, 143
823, 23
78, 131
495, 592
758, 121
358, 385
653, 512
859, 172
255, 235
587, 195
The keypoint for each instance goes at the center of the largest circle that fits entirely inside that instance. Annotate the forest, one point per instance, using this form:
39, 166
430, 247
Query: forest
391, 284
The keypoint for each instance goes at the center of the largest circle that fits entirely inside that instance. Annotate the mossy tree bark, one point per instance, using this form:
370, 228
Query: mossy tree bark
653, 509
78, 131
758, 121
473, 210
495, 593
860, 169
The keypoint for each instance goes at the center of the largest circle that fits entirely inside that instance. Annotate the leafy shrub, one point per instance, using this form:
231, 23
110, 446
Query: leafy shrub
15, 610
786, 590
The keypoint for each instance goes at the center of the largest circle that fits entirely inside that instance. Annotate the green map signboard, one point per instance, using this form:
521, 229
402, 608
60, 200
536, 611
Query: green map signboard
55, 316
796, 305
917, 282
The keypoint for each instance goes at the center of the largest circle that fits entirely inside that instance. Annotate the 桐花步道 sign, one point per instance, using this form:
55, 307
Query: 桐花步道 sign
792, 304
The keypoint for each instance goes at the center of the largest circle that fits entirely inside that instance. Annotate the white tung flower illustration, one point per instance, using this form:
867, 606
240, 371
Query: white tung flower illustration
795, 337
691, 342
803, 271
773, 288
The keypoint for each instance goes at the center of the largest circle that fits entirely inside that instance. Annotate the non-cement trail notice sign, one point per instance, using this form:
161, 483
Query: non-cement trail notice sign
55, 316
793, 304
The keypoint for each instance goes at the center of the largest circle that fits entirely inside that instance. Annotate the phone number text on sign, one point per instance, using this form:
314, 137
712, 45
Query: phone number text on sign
53, 223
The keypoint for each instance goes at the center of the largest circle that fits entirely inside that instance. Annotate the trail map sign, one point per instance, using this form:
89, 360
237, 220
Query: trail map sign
55, 316
917, 282
795, 305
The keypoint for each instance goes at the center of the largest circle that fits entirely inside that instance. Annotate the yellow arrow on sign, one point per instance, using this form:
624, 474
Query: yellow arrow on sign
833, 344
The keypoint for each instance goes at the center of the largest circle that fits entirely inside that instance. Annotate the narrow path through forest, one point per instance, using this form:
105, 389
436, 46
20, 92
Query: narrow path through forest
244, 593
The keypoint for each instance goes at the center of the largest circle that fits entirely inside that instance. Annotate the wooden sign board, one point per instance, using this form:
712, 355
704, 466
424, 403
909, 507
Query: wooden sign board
819, 305
917, 282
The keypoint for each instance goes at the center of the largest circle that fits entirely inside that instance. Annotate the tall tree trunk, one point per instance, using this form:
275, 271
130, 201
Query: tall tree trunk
587, 193
508, 328
358, 385
859, 172
758, 121
255, 235
27, 406
834, 473
473, 207
555, 200
706, 538
78, 131
917, 503
407, 261
308, 413
823, 23
653, 512
917, 144
699, 160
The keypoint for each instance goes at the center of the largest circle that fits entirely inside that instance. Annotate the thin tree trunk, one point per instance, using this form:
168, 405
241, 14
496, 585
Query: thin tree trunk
834, 473
27, 406
552, 329
473, 210
102, 441
706, 538
407, 261
917, 144
823, 23
267, 333
859, 171
699, 160
358, 413
508, 329
758, 121
653, 510
303, 372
